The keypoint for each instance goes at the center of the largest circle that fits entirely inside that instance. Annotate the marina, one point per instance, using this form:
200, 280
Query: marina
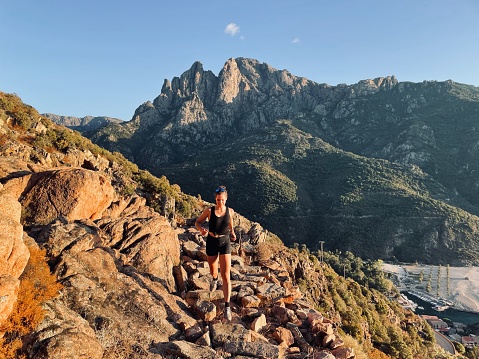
438, 304
451, 314
448, 293
427, 305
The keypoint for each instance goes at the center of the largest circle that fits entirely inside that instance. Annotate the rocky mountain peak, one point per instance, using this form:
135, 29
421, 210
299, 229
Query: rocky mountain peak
192, 83
229, 83
245, 95
252, 75
368, 87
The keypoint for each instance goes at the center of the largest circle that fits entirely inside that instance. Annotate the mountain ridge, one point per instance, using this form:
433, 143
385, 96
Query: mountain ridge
82, 124
198, 104
430, 125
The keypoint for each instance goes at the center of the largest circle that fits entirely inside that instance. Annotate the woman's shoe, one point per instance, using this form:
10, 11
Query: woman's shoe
228, 314
213, 285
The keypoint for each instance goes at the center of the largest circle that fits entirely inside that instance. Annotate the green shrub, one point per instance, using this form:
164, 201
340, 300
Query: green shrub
22, 115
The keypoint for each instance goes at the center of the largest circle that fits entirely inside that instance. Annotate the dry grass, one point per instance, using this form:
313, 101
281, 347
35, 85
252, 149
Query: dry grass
268, 250
377, 354
37, 285
359, 352
263, 252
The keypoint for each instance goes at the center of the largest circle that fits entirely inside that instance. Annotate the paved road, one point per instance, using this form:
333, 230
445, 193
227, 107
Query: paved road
445, 343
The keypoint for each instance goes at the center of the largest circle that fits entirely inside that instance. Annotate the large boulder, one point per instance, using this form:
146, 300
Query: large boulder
74, 193
11, 167
64, 334
118, 301
14, 253
146, 241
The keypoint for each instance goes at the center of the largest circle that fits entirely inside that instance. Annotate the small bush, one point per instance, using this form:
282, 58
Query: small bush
350, 342
22, 115
377, 354
263, 252
37, 285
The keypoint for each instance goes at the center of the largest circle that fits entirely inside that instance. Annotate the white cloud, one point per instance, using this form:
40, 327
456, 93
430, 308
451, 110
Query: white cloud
232, 29
296, 40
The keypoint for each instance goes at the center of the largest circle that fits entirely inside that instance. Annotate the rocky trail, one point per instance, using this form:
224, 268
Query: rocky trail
270, 318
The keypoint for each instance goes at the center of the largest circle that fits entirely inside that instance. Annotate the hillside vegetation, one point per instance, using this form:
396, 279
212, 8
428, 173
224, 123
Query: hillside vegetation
55, 143
307, 191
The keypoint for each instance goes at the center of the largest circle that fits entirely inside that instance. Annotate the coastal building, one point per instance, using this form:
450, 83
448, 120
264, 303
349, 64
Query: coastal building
470, 341
459, 327
455, 337
436, 323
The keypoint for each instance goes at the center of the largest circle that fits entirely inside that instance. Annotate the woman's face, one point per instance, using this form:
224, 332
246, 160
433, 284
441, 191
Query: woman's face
220, 198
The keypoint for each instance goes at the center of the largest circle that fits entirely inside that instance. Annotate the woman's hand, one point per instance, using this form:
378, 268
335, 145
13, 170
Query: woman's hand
203, 230
233, 236
200, 220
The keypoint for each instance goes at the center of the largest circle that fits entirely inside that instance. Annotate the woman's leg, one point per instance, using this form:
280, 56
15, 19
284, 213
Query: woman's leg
213, 263
225, 268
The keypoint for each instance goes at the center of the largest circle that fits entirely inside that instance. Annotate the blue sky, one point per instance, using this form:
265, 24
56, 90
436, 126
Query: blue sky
107, 57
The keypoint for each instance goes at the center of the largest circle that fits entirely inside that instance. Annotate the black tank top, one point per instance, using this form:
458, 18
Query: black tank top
219, 225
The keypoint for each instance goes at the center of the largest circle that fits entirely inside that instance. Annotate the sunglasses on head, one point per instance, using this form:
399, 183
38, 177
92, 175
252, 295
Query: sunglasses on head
220, 189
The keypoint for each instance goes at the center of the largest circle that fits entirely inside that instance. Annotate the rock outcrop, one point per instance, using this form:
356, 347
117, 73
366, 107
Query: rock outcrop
116, 270
74, 193
14, 253
146, 241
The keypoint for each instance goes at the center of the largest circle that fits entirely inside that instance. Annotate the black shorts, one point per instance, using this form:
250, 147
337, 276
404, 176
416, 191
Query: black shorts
221, 245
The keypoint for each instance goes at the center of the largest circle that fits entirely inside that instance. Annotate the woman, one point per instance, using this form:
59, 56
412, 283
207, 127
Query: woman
218, 246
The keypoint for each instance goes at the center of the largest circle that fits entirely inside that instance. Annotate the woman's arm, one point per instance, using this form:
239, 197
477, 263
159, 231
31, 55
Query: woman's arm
232, 227
201, 219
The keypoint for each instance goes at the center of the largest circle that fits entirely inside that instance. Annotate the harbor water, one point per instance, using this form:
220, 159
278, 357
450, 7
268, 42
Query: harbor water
426, 308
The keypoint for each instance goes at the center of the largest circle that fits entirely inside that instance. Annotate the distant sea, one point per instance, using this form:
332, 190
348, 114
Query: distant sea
451, 314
